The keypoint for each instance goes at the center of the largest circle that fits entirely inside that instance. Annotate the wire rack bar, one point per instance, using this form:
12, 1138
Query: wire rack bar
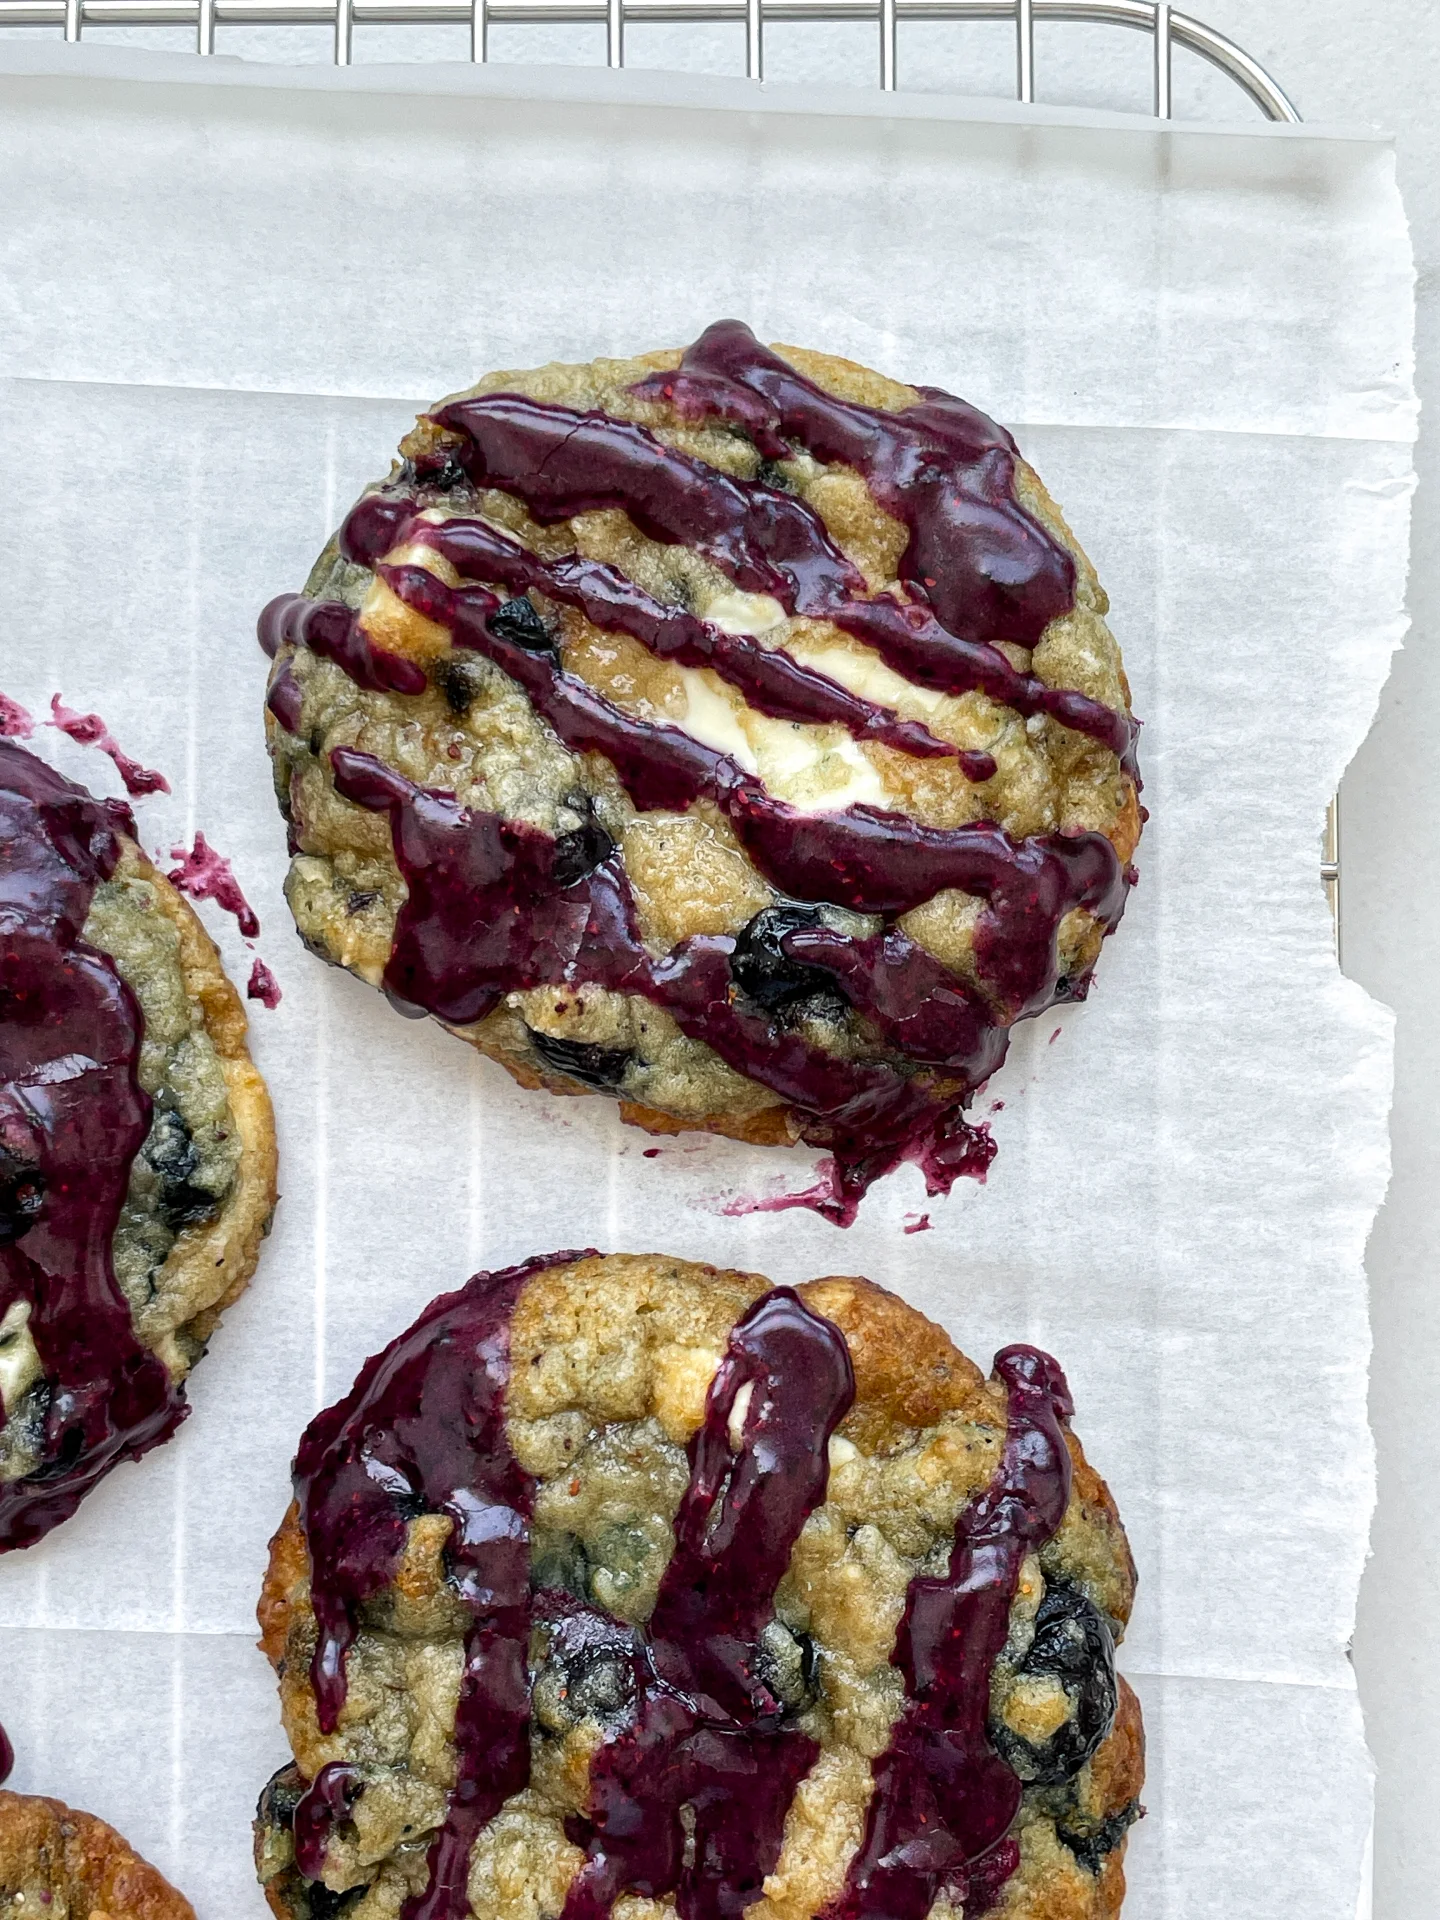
1169, 28
1025, 50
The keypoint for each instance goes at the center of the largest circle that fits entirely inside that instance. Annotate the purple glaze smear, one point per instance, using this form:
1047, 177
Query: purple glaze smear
207, 875
325, 1802
688, 1798
72, 1118
15, 722
89, 730
263, 986
493, 907
943, 1799
7, 1757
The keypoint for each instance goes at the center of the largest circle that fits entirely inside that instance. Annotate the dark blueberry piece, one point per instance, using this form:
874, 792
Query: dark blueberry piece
459, 681
22, 1194
766, 974
170, 1151
1072, 1642
580, 852
519, 621
358, 901
440, 472
789, 1666
62, 1420
322, 1904
588, 1671
772, 475
410, 1504
280, 1796
1092, 1842
593, 1066
559, 1564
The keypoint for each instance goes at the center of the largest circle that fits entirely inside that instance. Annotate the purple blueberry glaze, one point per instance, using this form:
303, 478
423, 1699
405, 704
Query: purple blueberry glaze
423, 1429
488, 913
332, 631
706, 1735
72, 1118
326, 1801
944, 1799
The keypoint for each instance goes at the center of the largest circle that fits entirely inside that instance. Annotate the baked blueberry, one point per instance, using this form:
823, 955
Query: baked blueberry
766, 973
593, 1066
1058, 1703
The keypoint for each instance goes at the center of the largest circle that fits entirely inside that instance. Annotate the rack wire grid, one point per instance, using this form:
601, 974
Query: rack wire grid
1168, 29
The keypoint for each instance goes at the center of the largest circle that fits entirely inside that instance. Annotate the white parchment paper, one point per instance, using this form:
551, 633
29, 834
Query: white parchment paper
226, 290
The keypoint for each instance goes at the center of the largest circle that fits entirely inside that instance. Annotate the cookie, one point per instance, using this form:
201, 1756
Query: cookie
137, 1146
736, 733
619, 1584
64, 1865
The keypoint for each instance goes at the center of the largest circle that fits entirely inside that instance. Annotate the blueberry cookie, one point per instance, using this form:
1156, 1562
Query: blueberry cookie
735, 732
137, 1146
623, 1585
56, 1864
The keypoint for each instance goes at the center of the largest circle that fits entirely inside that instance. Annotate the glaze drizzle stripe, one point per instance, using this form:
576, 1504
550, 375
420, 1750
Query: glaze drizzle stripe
771, 681
706, 1734
334, 633
73, 1115
944, 1799
423, 1430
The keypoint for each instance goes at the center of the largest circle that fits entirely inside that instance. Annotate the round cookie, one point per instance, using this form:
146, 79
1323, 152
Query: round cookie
137, 1146
64, 1865
619, 1584
736, 733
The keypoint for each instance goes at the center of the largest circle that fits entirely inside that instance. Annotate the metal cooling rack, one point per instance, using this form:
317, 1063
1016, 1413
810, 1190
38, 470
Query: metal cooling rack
1168, 30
